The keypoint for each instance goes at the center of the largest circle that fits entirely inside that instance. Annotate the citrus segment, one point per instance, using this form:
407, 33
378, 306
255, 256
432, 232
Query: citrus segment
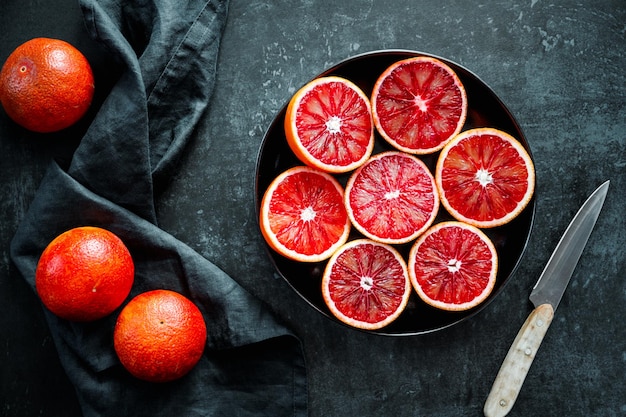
46, 85
84, 274
302, 215
392, 198
366, 284
419, 104
159, 336
453, 266
328, 125
485, 177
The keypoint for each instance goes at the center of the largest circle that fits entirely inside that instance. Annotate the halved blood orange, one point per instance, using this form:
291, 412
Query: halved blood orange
328, 125
485, 177
453, 266
392, 198
366, 284
419, 104
302, 215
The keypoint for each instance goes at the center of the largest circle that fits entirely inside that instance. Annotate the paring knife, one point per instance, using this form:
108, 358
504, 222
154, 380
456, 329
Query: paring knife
545, 296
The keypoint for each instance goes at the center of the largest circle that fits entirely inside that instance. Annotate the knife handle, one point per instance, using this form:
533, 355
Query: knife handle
517, 362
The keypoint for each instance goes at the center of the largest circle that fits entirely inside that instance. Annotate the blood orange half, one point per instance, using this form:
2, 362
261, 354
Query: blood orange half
392, 198
419, 104
453, 266
485, 177
302, 215
328, 125
366, 284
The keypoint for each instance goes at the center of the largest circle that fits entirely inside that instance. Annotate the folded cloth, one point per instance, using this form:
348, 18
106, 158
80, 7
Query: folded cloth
252, 365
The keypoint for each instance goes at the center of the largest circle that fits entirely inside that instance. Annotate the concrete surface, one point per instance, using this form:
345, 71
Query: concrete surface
560, 67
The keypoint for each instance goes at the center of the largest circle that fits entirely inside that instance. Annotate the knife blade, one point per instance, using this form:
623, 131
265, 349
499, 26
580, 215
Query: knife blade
545, 297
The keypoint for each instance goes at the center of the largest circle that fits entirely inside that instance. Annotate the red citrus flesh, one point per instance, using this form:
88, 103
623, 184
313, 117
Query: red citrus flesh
392, 198
419, 104
366, 284
302, 215
328, 125
485, 177
453, 266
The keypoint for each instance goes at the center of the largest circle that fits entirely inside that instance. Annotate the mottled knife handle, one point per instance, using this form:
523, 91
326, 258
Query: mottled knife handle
517, 362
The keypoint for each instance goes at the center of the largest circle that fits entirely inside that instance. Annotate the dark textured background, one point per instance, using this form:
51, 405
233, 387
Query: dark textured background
561, 70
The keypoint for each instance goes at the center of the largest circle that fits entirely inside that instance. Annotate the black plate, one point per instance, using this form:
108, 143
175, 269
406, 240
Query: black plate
485, 110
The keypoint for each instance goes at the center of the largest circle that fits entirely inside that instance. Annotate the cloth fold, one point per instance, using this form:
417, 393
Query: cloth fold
253, 365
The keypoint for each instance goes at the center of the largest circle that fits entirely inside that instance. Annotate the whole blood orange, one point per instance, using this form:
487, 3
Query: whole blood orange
485, 177
302, 215
159, 336
453, 266
392, 198
366, 284
84, 274
46, 85
328, 125
419, 104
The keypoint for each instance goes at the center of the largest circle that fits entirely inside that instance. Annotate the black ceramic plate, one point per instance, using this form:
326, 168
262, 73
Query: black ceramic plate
485, 110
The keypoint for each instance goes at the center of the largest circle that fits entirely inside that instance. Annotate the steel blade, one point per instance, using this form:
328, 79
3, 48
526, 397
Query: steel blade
551, 284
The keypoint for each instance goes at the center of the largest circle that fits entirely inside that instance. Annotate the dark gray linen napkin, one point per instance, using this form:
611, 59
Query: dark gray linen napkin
252, 365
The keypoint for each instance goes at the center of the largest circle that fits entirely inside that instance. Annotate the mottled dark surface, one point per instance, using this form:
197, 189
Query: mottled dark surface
560, 67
